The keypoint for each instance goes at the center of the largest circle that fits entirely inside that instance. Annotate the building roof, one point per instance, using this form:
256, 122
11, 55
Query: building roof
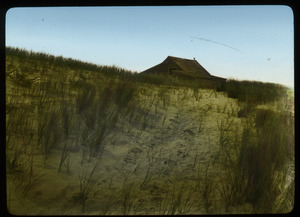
180, 67
186, 69
188, 65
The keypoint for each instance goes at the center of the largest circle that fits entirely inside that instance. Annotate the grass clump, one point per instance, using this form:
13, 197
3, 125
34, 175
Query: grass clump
128, 196
255, 162
254, 92
178, 199
86, 97
49, 133
87, 182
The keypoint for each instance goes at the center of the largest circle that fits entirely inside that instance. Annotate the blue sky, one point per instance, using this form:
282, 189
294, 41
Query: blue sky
243, 42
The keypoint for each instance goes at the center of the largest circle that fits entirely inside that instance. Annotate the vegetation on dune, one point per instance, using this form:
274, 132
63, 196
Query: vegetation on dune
254, 92
255, 161
56, 62
59, 108
108, 71
243, 90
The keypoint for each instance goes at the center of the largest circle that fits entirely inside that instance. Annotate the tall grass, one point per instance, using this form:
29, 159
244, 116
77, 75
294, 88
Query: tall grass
49, 132
66, 117
86, 98
48, 109
178, 200
207, 190
87, 182
128, 196
109, 203
108, 71
267, 156
254, 92
60, 61
255, 162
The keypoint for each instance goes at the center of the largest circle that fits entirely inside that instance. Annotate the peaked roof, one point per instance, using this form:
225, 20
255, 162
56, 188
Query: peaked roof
175, 65
189, 65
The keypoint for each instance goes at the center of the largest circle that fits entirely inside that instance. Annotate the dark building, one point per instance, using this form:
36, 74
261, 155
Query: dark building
185, 68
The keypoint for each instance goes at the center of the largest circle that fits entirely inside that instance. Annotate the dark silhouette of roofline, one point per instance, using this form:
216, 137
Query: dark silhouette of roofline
182, 67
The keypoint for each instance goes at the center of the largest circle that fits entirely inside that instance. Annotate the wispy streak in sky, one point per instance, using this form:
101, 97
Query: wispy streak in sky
215, 42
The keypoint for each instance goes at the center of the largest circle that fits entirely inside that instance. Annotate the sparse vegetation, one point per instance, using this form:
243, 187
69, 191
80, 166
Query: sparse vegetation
87, 182
128, 196
93, 139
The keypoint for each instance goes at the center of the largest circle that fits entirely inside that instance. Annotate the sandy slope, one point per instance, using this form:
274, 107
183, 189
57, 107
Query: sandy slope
175, 142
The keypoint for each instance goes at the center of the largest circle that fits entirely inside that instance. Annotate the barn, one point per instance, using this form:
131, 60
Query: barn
185, 68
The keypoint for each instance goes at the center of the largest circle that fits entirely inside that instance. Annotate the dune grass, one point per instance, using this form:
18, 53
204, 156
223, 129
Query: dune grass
87, 182
254, 92
255, 161
56, 105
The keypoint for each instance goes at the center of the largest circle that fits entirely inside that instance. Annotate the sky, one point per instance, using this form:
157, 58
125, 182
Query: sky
241, 42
